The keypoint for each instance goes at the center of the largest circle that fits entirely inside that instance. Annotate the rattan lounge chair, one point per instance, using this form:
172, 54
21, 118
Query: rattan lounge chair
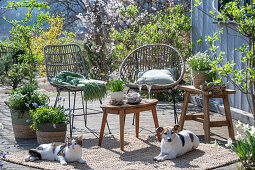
67, 58
148, 57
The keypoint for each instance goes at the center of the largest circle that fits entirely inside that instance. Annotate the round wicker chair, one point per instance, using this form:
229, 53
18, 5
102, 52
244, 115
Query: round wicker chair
67, 57
148, 57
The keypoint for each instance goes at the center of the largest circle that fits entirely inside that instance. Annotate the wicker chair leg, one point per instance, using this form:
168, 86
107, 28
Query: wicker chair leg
74, 98
70, 124
175, 113
85, 111
56, 101
69, 99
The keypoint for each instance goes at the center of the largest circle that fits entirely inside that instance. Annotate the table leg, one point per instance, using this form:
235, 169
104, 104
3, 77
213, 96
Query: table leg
121, 113
184, 110
155, 118
102, 128
228, 118
137, 124
206, 118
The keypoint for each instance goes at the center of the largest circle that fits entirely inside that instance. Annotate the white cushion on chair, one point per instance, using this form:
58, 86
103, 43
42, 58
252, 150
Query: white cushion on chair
158, 76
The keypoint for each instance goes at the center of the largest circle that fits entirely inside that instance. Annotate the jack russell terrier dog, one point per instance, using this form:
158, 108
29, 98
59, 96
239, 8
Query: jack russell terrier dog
175, 144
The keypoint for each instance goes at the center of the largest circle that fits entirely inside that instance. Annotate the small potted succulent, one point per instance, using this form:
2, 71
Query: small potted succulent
20, 101
50, 123
116, 86
200, 64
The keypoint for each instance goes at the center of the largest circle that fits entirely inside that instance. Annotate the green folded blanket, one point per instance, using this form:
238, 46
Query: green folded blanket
92, 89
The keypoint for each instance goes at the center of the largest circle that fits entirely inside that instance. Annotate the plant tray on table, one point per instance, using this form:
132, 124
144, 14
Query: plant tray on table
213, 87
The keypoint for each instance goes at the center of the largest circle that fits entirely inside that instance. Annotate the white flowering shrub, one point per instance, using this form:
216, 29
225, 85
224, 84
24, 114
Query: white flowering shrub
105, 16
29, 97
200, 61
245, 144
100, 16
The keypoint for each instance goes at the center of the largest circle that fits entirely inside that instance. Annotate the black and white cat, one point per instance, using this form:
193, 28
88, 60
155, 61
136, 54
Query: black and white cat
71, 151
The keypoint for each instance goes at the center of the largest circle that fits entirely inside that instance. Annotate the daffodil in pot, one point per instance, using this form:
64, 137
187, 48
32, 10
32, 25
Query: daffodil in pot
20, 101
200, 64
116, 87
50, 123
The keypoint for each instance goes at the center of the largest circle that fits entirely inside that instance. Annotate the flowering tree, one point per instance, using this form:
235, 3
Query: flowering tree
101, 17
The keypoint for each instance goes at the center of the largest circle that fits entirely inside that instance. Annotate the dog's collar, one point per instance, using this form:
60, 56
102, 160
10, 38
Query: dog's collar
182, 138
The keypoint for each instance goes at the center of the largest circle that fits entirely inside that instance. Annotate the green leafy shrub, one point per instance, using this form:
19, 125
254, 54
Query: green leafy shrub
27, 98
12, 68
48, 114
116, 85
99, 64
200, 62
22, 32
170, 27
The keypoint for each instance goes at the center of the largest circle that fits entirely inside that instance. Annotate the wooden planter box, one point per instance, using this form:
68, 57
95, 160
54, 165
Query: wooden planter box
46, 133
21, 127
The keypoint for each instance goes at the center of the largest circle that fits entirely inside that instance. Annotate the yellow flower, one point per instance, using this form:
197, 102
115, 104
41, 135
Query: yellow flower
216, 145
1, 126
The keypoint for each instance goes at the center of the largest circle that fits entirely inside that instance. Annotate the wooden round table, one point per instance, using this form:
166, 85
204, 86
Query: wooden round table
145, 105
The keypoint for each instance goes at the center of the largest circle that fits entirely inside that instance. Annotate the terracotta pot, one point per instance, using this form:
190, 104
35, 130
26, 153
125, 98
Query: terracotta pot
117, 96
46, 133
199, 78
20, 125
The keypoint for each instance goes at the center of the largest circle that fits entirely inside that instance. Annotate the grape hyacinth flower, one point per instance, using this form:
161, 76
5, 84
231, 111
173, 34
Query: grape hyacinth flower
35, 104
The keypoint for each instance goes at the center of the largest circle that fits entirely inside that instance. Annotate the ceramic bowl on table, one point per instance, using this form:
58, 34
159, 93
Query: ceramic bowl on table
134, 98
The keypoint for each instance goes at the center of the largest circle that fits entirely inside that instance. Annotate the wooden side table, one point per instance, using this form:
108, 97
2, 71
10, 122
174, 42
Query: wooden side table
127, 109
204, 117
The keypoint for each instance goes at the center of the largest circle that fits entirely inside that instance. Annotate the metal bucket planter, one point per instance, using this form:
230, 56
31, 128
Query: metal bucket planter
46, 133
21, 127
199, 78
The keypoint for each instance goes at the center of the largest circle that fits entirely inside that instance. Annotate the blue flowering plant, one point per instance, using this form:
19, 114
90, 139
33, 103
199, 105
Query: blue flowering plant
49, 114
116, 85
27, 98
3, 153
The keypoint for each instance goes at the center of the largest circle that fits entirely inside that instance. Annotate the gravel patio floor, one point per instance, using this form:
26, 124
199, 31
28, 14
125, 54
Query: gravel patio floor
165, 118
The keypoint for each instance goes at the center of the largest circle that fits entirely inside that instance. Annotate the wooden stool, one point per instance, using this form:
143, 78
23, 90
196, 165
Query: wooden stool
127, 109
204, 117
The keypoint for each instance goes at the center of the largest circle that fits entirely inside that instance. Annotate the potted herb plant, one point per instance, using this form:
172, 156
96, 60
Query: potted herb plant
20, 101
116, 86
50, 123
200, 64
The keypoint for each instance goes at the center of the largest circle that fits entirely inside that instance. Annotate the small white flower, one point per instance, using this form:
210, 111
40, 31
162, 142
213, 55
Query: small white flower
246, 127
54, 126
238, 136
239, 124
252, 131
27, 120
216, 145
229, 144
